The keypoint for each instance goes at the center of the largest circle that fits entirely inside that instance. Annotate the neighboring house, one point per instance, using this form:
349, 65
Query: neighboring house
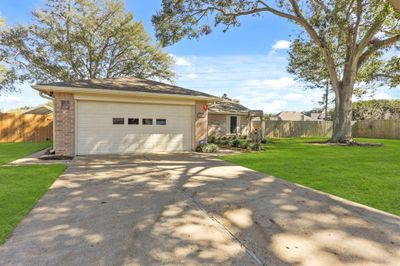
126, 115
318, 116
43, 109
291, 116
228, 117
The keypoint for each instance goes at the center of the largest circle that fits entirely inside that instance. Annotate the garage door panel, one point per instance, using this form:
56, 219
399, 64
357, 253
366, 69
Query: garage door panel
97, 135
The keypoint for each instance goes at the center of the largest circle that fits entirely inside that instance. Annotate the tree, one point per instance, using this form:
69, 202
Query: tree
315, 75
396, 5
82, 39
346, 33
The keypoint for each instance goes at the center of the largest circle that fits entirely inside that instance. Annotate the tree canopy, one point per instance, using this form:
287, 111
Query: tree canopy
82, 39
348, 35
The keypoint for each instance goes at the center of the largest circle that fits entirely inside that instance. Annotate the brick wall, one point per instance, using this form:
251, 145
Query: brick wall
200, 124
64, 119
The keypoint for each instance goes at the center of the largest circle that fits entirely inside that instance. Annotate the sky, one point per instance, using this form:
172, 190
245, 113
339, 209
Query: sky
247, 63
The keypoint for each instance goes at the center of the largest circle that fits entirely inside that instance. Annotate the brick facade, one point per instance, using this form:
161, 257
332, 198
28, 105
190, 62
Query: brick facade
200, 124
64, 118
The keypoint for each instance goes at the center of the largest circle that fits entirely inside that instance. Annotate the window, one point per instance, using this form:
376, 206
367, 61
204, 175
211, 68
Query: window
147, 121
133, 121
118, 121
233, 128
161, 122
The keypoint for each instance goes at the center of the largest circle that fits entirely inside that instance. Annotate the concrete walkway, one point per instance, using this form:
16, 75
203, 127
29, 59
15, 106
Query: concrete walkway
194, 210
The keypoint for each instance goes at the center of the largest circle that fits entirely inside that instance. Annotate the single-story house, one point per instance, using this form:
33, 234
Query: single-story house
43, 109
291, 116
126, 115
228, 117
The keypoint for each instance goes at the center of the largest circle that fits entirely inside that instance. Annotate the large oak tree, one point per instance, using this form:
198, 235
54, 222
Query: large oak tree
357, 30
81, 39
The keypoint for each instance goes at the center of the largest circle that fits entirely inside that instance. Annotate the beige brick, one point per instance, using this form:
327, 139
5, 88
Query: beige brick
64, 142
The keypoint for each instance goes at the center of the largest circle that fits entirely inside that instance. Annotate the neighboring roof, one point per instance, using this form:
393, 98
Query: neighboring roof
292, 116
227, 106
43, 109
124, 84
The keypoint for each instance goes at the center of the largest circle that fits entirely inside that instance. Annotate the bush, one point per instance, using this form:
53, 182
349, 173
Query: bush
207, 148
256, 146
236, 143
245, 145
212, 139
264, 141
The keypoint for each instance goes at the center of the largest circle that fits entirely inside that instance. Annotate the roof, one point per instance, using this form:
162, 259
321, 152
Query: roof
43, 109
227, 106
124, 84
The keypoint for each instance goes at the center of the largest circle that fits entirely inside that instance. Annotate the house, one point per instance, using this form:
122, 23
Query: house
291, 116
44, 109
126, 115
318, 116
228, 117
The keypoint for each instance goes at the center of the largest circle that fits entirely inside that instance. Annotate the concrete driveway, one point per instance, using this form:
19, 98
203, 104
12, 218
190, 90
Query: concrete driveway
194, 210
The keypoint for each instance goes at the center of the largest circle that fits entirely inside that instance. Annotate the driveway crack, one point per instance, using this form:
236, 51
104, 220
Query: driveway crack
198, 205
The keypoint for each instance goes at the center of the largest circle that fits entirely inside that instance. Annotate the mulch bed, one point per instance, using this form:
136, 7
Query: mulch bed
350, 144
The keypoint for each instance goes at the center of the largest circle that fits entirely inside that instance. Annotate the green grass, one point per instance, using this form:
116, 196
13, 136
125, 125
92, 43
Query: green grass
21, 186
367, 175
12, 151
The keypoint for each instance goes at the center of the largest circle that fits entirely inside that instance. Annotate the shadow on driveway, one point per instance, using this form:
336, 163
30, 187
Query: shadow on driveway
191, 210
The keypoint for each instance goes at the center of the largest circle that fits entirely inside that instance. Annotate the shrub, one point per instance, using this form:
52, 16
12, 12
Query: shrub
264, 141
207, 148
245, 145
236, 143
256, 146
212, 139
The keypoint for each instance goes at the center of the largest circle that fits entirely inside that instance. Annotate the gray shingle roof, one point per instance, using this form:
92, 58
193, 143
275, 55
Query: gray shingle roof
227, 106
128, 84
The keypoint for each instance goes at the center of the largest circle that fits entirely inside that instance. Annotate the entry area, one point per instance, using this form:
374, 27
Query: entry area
118, 128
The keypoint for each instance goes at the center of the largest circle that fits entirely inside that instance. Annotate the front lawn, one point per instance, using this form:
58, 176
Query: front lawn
367, 175
21, 186
11, 151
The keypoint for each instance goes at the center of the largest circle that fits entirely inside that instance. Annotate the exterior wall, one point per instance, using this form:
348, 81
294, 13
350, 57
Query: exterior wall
64, 121
218, 125
200, 123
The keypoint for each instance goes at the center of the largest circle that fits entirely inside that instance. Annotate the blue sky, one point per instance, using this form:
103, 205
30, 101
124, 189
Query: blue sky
248, 63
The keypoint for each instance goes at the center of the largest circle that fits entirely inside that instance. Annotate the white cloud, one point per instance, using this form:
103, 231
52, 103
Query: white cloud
280, 45
294, 97
382, 96
180, 61
10, 99
280, 83
191, 75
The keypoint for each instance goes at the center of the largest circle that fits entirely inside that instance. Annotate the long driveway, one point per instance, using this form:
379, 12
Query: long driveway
190, 209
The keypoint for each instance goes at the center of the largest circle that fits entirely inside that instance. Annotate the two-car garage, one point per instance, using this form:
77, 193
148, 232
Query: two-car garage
111, 128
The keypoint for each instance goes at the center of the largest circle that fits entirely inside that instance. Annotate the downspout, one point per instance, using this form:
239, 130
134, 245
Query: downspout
47, 97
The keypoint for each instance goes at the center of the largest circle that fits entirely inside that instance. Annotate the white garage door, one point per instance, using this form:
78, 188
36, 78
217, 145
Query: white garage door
107, 128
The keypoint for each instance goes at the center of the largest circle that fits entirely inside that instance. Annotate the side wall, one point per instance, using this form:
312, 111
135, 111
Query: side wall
64, 119
218, 125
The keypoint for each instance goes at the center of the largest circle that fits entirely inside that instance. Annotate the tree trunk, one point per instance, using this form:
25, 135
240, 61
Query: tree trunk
342, 132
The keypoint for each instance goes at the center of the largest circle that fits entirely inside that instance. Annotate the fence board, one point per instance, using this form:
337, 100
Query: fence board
25, 127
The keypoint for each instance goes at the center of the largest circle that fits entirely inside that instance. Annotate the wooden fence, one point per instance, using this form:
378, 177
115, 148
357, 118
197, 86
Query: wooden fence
385, 129
284, 129
389, 129
26, 127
